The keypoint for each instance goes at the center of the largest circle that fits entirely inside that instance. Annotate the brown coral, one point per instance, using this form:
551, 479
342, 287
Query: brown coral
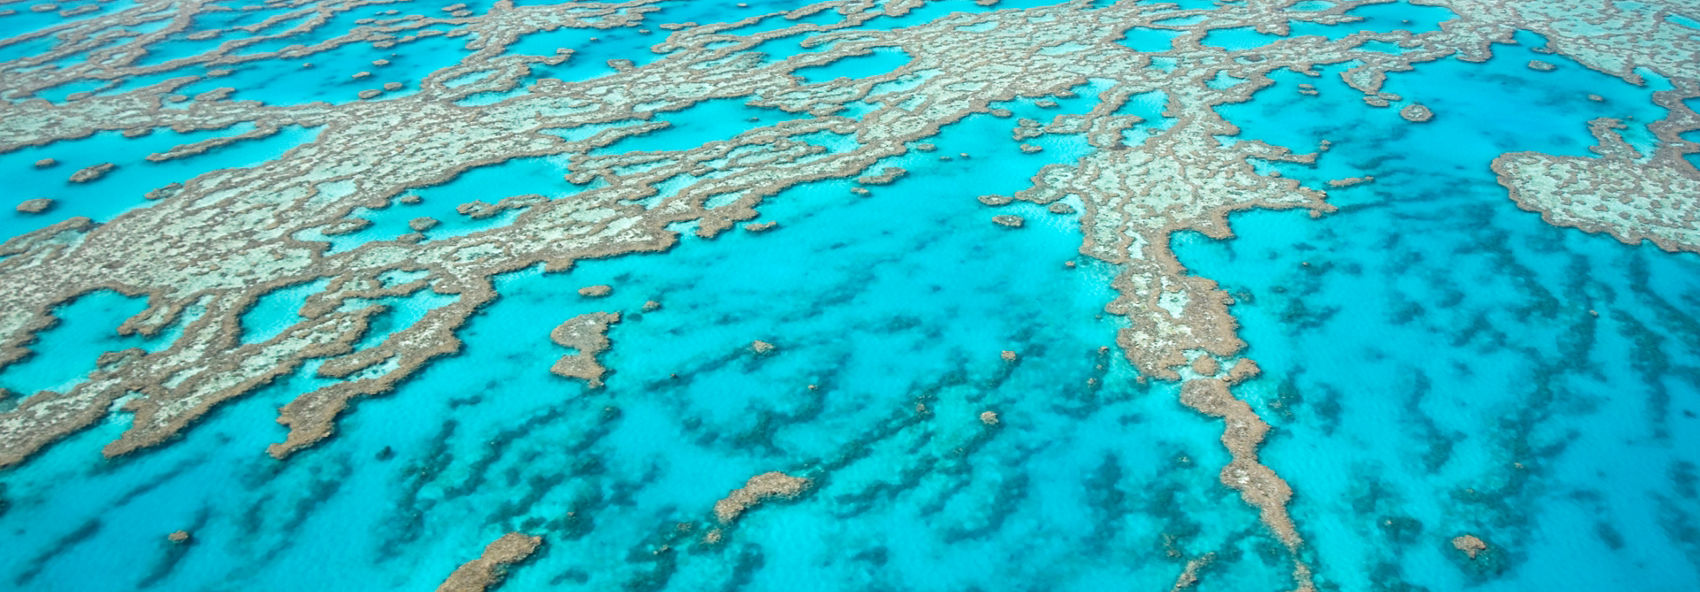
1469, 544
758, 489
488, 569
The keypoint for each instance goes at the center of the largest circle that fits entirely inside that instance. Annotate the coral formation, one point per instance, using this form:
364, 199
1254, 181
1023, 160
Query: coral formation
35, 206
757, 490
587, 333
1613, 193
1189, 575
92, 173
488, 570
1244, 432
1469, 544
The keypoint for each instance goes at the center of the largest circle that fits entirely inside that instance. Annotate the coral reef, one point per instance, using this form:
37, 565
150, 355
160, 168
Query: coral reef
1469, 544
92, 173
1244, 432
587, 333
1613, 193
1416, 113
1189, 576
35, 206
757, 490
487, 570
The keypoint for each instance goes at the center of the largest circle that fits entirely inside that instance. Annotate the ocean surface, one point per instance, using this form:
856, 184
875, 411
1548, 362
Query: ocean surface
1436, 361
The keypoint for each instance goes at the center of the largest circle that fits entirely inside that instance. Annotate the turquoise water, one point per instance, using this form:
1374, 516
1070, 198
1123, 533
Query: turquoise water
833, 288
1376, 18
87, 327
1430, 357
1381, 18
278, 310
1239, 38
1436, 361
124, 187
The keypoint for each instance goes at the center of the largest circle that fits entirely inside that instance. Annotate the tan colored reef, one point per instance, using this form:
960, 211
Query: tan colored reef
1469, 545
1243, 370
1244, 432
758, 489
1189, 575
92, 173
35, 206
587, 333
1416, 113
1614, 193
486, 572
422, 224
1205, 365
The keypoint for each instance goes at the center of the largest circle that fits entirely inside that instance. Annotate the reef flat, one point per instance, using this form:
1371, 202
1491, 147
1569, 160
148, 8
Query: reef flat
358, 236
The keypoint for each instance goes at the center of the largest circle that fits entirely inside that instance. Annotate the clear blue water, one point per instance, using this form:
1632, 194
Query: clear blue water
834, 288
1151, 40
1377, 18
67, 353
124, 187
1431, 363
278, 310
1431, 366
1239, 38
1400, 15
